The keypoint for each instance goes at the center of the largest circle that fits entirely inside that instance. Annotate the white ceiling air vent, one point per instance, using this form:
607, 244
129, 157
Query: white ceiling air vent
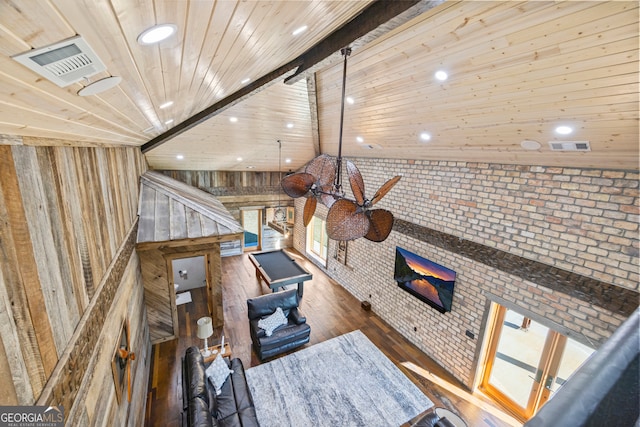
569, 146
63, 63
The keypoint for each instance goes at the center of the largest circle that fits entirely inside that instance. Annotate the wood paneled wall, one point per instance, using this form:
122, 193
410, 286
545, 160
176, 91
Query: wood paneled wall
160, 295
226, 180
68, 216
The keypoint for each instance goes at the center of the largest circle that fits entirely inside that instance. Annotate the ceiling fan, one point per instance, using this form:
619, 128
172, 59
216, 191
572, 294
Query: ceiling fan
321, 180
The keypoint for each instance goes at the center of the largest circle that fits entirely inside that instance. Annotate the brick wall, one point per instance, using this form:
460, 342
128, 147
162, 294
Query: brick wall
580, 221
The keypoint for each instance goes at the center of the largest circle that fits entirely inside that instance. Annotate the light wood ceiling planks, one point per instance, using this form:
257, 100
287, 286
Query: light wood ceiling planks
516, 70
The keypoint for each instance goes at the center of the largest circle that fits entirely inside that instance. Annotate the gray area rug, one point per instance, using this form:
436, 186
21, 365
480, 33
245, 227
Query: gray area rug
345, 381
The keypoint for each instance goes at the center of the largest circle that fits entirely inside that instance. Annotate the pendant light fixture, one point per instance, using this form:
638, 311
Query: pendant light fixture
279, 222
347, 219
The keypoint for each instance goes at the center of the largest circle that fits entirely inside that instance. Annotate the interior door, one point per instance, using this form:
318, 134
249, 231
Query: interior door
252, 224
527, 362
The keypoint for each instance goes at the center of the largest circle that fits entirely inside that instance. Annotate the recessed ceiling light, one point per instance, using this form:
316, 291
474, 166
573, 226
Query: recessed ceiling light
245, 81
360, 139
441, 75
168, 122
251, 167
299, 30
156, 34
233, 119
179, 157
350, 100
289, 125
166, 105
239, 159
564, 130
530, 144
425, 136
287, 160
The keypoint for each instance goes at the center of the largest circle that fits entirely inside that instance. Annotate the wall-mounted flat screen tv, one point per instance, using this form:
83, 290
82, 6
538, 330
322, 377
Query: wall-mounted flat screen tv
424, 279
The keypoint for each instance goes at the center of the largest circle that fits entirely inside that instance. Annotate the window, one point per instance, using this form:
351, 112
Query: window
317, 239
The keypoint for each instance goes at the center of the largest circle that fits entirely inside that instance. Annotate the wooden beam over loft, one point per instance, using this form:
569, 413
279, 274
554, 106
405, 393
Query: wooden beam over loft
378, 18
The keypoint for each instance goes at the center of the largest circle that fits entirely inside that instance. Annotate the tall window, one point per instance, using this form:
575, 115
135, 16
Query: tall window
317, 239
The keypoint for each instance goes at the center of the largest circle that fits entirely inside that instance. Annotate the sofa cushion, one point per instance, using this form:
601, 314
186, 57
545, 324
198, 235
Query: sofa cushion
198, 413
240, 387
218, 372
286, 334
271, 322
248, 417
197, 380
264, 305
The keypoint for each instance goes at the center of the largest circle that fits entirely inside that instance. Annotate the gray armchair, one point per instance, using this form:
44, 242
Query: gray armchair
293, 334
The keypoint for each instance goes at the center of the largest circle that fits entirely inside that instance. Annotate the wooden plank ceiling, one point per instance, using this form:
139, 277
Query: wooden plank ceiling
516, 71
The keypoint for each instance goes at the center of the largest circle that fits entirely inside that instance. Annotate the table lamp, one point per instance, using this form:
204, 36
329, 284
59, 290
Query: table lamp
205, 330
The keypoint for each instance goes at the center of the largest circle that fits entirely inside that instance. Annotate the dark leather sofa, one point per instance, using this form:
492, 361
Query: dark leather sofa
286, 337
433, 420
201, 407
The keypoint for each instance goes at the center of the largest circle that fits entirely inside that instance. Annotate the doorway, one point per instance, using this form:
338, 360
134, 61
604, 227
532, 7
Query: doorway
252, 224
527, 362
188, 273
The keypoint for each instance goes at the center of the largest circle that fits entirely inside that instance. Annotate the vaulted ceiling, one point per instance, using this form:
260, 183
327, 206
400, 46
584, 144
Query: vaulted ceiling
516, 71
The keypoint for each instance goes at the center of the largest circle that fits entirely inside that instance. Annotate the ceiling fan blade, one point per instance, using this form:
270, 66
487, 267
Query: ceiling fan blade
323, 168
385, 189
381, 224
129, 380
309, 210
346, 221
297, 184
357, 183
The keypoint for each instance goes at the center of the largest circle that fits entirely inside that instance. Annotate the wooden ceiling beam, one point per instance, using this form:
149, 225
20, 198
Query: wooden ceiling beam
313, 109
378, 18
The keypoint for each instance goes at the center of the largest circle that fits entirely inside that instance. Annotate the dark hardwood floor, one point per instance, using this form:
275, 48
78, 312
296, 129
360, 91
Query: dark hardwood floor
331, 311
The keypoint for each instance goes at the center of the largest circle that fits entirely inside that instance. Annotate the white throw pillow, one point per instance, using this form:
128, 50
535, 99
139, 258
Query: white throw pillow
270, 323
218, 372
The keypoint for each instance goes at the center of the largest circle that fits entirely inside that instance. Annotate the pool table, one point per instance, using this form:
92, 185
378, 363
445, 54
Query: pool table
278, 269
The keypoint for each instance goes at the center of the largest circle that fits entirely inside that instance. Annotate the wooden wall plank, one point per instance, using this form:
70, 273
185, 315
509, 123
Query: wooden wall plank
34, 344
77, 256
146, 227
90, 224
38, 217
14, 378
156, 295
178, 221
194, 229
56, 210
162, 219
108, 190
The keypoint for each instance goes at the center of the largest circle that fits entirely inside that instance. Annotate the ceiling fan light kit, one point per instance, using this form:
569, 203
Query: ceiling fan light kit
347, 219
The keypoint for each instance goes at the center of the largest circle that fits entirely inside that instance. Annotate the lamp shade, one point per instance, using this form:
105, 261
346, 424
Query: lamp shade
205, 327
